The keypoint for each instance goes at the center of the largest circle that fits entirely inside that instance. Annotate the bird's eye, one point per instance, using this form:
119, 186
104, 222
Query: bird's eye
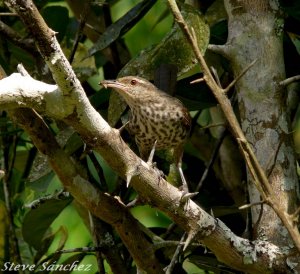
133, 82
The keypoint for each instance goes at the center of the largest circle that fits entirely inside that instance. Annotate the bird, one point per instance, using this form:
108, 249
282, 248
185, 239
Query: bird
158, 121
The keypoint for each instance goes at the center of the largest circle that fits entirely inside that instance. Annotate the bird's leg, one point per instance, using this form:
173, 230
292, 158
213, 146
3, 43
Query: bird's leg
145, 153
151, 155
185, 186
185, 189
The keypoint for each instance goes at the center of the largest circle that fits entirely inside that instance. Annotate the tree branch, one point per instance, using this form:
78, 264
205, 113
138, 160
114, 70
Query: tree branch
290, 80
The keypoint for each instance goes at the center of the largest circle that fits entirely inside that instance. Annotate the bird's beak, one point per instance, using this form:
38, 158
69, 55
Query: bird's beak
112, 84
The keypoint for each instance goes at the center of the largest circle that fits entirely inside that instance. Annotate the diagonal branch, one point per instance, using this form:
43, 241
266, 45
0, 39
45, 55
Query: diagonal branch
251, 160
239, 76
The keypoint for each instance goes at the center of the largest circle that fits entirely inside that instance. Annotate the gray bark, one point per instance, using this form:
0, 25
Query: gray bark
255, 32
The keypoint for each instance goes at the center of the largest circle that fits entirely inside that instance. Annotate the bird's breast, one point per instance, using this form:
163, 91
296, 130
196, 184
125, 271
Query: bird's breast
158, 123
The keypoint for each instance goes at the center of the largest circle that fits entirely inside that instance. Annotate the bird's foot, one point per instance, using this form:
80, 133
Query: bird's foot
150, 158
160, 175
186, 196
152, 164
136, 201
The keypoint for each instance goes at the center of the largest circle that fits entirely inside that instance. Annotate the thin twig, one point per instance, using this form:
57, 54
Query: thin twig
59, 195
171, 266
211, 160
6, 174
96, 233
164, 244
8, 14
215, 73
212, 125
239, 76
86, 249
261, 175
197, 81
290, 80
169, 231
79, 32
295, 215
250, 205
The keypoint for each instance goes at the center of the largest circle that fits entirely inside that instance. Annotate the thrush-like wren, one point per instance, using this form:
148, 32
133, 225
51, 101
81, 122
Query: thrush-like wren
157, 119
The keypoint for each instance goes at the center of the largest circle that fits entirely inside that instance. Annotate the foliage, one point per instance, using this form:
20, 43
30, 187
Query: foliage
143, 43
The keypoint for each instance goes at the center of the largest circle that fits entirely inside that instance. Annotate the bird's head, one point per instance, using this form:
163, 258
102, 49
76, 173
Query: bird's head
131, 88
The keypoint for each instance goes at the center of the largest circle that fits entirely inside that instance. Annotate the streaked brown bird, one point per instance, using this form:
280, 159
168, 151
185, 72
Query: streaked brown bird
157, 119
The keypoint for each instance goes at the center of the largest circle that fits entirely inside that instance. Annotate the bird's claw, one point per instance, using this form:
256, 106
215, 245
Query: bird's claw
187, 195
134, 202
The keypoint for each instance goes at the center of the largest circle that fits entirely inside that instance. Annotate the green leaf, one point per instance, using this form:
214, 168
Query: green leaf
100, 97
73, 143
47, 241
173, 49
37, 221
83, 67
121, 26
42, 183
219, 33
109, 175
150, 217
296, 40
19, 55
57, 18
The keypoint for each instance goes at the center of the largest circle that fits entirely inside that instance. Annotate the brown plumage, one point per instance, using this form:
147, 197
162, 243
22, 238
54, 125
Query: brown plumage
155, 117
